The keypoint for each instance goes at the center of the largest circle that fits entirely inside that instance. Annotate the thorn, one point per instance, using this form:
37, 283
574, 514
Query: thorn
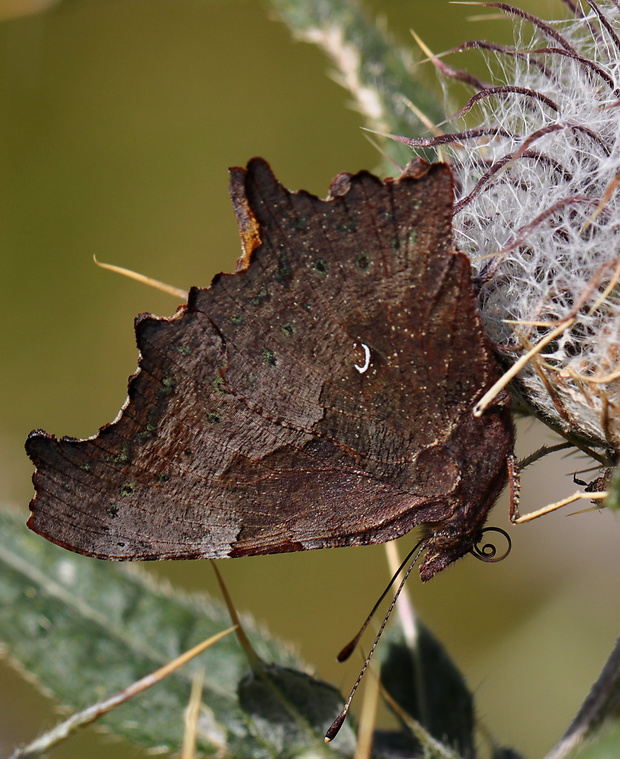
243, 639
165, 288
501, 383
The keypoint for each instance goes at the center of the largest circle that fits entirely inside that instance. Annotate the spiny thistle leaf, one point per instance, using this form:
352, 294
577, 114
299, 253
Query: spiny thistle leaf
86, 629
378, 73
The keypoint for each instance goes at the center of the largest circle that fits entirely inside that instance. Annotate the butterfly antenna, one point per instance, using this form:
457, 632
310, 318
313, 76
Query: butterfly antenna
337, 723
350, 647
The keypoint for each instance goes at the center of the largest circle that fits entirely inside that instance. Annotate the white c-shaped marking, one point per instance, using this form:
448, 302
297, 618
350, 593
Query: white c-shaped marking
366, 364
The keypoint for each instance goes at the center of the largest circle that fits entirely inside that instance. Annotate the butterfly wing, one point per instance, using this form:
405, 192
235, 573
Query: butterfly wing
320, 396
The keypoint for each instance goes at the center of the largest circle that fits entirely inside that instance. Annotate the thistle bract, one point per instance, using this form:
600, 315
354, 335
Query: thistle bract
536, 157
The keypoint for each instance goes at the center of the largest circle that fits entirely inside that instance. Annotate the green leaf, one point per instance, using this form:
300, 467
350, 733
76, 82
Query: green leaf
429, 687
369, 63
86, 629
288, 708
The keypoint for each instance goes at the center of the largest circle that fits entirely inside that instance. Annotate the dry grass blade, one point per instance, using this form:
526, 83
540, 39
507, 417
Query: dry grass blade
191, 716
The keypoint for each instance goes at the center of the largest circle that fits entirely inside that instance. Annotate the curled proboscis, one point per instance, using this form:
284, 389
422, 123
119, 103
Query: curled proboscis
486, 551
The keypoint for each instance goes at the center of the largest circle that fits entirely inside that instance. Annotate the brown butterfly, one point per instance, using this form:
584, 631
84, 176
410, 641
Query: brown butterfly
321, 396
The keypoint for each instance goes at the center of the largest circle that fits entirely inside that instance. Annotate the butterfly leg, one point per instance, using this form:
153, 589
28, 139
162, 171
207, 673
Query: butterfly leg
514, 483
515, 486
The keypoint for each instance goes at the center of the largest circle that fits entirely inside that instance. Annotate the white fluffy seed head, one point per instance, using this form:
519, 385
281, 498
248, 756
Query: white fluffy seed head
538, 201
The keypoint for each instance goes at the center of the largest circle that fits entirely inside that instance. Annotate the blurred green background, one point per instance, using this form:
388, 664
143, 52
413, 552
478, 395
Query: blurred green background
118, 120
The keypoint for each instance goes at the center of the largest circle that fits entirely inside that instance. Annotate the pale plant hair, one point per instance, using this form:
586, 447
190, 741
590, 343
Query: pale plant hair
536, 157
